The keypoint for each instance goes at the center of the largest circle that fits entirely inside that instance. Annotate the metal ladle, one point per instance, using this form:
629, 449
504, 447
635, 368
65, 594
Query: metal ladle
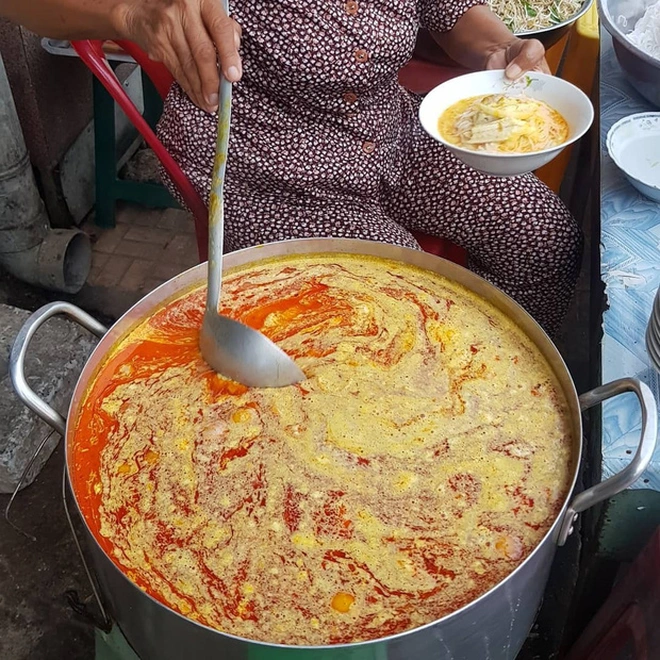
231, 348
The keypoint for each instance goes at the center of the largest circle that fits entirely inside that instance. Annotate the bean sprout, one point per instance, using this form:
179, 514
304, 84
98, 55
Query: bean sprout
529, 15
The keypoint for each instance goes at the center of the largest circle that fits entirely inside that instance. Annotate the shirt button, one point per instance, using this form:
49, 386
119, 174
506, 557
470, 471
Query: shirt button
351, 115
368, 147
361, 55
351, 7
350, 97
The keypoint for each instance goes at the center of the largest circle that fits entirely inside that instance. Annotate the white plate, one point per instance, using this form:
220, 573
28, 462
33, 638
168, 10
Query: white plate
573, 104
634, 145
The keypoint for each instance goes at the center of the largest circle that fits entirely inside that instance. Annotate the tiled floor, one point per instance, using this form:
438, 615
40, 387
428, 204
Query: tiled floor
146, 248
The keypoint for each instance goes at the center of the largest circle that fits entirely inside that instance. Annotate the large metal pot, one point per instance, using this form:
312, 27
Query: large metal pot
493, 626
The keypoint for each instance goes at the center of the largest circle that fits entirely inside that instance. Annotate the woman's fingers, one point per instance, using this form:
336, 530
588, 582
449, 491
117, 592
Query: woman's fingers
188, 36
204, 61
496, 60
543, 67
188, 76
224, 32
238, 33
525, 55
517, 57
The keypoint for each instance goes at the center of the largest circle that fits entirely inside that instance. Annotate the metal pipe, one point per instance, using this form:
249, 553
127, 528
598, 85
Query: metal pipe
57, 259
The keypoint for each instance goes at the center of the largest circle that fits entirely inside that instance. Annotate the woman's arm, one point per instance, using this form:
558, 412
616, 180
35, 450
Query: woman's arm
186, 35
480, 40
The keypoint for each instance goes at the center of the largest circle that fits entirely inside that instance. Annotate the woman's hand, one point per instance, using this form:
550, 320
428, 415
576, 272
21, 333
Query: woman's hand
187, 36
480, 40
517, 57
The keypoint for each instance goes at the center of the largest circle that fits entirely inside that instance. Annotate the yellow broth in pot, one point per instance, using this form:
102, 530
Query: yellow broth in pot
425, 456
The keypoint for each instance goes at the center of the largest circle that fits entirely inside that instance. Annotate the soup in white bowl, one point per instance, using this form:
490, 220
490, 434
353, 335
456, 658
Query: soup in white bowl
569, 109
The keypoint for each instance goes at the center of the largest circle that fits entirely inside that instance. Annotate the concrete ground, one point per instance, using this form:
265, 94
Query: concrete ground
37, 577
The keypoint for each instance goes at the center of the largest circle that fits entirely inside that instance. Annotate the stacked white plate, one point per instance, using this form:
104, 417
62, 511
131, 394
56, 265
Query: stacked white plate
653, 333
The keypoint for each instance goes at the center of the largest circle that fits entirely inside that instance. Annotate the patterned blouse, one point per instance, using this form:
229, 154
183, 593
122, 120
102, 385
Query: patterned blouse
319, 107
325, 142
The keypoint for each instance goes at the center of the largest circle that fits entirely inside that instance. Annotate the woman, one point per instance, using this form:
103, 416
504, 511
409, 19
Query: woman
325, 142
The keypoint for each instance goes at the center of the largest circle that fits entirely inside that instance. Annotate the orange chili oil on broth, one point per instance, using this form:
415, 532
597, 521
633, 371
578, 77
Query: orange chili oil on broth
423, 459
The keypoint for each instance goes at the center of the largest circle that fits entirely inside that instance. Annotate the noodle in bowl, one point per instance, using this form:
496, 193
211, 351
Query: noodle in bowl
636, 39
503, 123
571, 104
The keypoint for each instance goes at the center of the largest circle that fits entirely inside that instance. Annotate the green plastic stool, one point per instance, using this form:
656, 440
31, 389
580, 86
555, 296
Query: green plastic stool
110, 188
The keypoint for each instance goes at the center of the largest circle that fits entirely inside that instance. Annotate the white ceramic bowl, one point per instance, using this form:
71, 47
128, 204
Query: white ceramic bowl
634, 145
573, 104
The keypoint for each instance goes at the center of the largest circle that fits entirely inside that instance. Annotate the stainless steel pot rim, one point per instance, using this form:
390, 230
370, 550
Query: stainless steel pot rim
557, 26
196, 276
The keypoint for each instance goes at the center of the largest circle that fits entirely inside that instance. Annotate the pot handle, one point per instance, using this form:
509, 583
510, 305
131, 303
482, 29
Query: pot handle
19, 350
637, 465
